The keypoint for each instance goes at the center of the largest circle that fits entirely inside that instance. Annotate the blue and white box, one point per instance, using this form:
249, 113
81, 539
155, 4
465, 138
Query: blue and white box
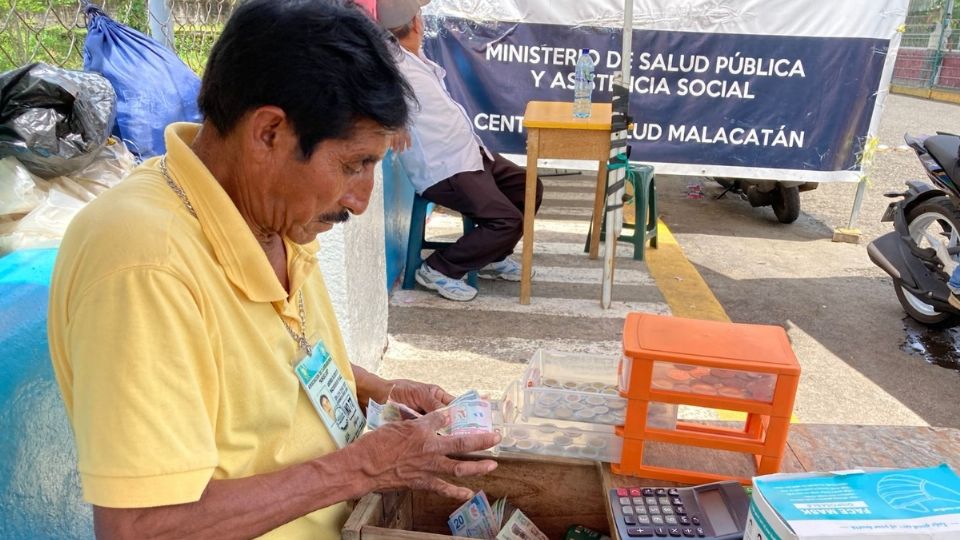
905, 504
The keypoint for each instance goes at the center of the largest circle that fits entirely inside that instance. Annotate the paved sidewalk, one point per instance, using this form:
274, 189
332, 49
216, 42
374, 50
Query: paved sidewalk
486, 343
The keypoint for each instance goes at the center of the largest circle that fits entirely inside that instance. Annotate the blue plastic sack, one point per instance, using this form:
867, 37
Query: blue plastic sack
154, 87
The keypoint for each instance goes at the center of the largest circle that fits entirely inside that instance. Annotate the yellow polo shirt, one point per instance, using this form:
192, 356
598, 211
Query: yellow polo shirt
167, 343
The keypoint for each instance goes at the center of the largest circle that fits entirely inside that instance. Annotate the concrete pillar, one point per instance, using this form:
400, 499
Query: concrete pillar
354, 265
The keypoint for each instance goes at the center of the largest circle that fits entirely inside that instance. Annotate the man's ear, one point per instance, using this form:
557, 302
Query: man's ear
418, 24
269, 132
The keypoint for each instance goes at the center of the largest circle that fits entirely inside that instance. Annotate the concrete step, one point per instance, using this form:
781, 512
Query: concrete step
485, 343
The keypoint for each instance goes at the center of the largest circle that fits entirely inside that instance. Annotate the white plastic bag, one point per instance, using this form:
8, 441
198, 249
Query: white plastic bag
44, 227
19, 193
62, 197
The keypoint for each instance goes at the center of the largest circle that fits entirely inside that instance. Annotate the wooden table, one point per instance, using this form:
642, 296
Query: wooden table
556, 493
553, 133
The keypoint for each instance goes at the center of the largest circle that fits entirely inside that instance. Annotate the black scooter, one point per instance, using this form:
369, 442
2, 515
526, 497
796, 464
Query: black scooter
926, 235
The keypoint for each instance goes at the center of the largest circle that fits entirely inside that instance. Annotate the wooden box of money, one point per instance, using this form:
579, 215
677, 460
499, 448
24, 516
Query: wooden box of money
553, 493
580, 388
710, 366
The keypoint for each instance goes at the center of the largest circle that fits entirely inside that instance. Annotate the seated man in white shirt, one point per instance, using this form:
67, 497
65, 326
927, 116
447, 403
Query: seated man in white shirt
449, 165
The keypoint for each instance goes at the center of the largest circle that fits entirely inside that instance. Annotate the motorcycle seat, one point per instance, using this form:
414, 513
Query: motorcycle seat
946, 150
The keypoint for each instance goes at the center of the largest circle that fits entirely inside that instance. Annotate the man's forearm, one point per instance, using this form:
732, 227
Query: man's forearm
244, 507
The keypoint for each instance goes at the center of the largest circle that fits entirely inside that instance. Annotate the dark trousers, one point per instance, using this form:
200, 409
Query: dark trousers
493, 199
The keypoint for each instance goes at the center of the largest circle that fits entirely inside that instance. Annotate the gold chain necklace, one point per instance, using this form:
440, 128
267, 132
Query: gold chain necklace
299, 337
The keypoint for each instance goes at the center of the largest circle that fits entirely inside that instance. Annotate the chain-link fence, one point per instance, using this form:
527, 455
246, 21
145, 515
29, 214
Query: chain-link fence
53, 31
929, 54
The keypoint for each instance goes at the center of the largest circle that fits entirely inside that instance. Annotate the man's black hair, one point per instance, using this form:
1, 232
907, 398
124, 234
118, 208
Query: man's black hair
324, 62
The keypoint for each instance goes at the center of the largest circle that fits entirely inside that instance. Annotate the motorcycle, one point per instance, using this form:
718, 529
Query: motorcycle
923, 249
783, 196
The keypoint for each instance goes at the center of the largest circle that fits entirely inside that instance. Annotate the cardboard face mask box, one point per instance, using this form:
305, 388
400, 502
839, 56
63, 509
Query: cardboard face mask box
902, 504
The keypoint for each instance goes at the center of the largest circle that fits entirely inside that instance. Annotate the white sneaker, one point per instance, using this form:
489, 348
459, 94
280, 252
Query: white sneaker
507, 269
449, 288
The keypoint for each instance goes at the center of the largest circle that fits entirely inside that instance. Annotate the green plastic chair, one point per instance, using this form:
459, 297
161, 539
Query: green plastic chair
644, 229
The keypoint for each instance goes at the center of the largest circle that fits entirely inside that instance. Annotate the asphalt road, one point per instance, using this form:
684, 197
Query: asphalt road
863, 363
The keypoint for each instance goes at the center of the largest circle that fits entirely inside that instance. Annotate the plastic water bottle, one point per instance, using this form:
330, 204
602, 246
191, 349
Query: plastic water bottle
583, 85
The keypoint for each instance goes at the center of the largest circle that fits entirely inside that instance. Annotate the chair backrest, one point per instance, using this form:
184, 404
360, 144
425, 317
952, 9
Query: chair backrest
398, 196
39, 484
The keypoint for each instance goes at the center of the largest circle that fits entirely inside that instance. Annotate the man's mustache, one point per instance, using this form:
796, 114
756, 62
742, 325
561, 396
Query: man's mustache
335, 217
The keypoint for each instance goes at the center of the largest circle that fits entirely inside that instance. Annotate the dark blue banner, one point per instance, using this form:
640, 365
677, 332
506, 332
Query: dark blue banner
756, 101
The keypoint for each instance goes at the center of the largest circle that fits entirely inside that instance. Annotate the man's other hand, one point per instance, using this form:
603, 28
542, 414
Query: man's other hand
419, 396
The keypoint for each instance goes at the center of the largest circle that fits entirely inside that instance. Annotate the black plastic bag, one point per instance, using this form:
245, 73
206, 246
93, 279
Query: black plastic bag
54, 120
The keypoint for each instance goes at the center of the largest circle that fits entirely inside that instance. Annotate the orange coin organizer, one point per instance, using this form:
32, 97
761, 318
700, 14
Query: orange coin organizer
671, 361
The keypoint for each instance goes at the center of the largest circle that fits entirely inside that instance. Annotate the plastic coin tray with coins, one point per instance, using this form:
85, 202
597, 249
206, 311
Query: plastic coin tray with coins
581, 388
706, 381
550, 437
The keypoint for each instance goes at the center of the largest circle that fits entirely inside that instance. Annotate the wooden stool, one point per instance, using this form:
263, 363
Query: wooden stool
417, 242
641, 178
670, 361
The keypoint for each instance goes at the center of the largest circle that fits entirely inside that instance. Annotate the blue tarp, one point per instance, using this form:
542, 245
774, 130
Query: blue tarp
39, 485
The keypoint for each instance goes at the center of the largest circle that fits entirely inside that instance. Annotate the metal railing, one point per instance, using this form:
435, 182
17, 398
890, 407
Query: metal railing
929, 54
53, 31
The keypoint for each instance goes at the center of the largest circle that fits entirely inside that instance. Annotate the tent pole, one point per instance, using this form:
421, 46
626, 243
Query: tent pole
614, 205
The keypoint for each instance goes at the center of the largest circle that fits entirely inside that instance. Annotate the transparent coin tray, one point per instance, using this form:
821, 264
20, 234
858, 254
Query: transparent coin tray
553, 437
581, 388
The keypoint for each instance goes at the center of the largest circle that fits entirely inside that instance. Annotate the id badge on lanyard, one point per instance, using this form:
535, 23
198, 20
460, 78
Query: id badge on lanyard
331, 396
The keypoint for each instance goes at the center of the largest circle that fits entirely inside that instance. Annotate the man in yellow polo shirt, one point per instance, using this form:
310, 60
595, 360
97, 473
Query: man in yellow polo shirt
191, 333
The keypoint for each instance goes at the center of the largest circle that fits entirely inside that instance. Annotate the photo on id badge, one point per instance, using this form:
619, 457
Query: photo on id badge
334, 413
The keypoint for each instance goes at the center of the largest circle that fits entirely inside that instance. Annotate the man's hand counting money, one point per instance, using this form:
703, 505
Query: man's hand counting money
411, 454
419, 396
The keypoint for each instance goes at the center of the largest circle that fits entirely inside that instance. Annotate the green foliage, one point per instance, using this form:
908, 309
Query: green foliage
194, 42
53, 45
39, 6
51, 31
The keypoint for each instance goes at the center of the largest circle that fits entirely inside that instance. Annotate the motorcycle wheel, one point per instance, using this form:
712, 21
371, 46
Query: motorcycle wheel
786, 203
940, 218
921, 311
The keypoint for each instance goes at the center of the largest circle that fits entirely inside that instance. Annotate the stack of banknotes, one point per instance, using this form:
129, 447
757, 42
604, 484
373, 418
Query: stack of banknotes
502, 521
470, 414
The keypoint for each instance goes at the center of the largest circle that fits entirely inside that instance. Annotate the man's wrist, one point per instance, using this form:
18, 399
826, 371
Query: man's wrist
346, 466
370, 386
382, 388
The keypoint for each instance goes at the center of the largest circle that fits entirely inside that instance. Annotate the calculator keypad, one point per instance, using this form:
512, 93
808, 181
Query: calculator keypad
657, 512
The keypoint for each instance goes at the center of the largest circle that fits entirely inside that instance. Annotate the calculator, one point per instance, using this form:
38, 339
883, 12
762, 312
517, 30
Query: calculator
717, 511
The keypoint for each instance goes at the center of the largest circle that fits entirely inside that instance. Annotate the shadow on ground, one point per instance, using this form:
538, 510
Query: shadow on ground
858, 320
740, 219
867, 364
